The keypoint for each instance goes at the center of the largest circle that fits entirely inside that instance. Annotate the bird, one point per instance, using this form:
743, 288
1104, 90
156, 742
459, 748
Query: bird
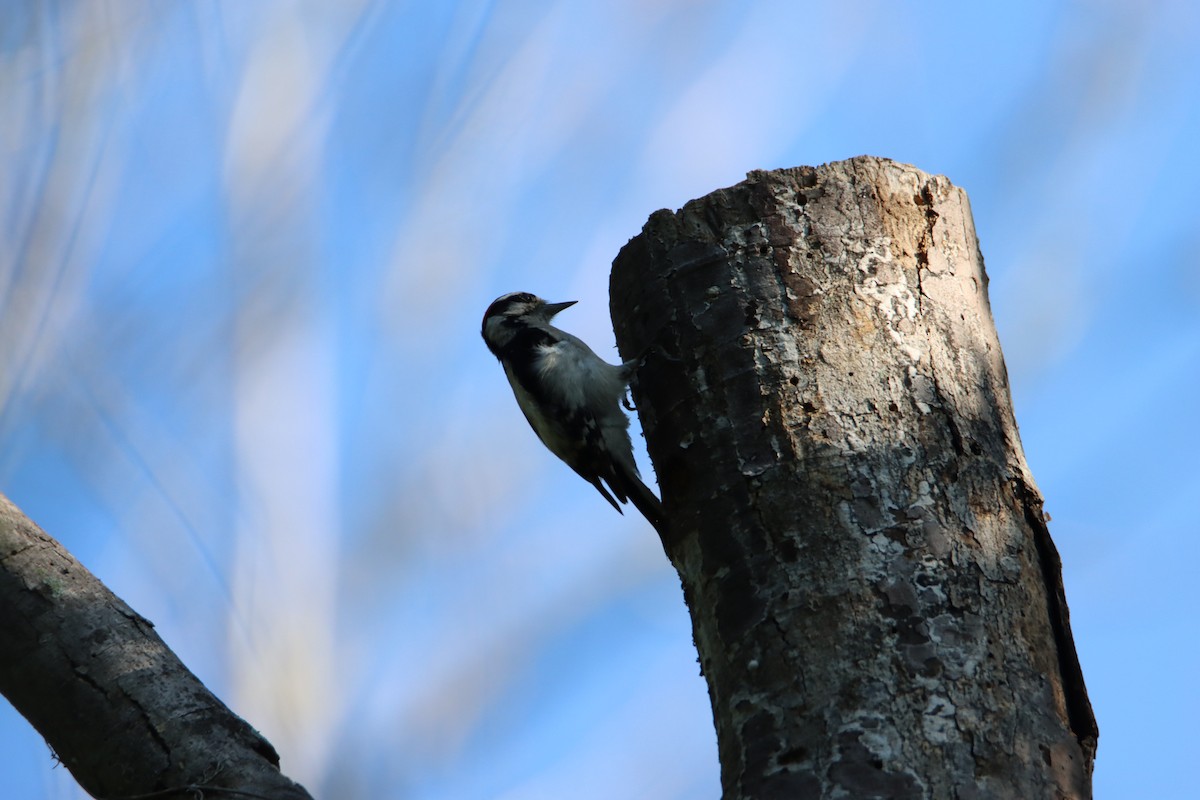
571, 397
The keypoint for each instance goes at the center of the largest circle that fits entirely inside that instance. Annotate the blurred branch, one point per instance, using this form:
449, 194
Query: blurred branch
119, 709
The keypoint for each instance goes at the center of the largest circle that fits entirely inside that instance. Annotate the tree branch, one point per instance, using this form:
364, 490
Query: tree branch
119, 709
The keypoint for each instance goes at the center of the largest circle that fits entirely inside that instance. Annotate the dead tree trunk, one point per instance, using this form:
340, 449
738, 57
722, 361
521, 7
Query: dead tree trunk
875, 597
119, 709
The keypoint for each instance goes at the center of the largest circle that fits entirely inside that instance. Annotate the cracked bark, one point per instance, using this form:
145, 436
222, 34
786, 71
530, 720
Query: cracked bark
875, 597
117, 707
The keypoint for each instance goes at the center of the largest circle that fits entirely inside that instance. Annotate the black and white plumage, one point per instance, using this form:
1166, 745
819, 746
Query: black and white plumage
570, 396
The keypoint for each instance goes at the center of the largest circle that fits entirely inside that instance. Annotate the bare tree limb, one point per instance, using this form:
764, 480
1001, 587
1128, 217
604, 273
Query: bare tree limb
119, 709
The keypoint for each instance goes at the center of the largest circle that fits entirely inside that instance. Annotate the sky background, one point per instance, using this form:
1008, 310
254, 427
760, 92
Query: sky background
246, 248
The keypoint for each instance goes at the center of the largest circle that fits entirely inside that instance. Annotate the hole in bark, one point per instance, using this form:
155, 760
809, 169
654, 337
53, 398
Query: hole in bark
752, 313
794, 381
788, 550
793, 756
896, 533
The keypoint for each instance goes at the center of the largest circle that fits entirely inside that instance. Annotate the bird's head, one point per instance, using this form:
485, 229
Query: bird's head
513, 310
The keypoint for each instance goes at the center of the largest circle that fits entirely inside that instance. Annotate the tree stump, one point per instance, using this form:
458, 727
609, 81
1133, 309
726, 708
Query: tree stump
875, 597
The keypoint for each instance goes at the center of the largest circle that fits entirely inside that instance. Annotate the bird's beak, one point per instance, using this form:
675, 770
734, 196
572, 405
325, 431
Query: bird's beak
554, 308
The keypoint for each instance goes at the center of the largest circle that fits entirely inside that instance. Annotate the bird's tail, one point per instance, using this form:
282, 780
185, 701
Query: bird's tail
627, 485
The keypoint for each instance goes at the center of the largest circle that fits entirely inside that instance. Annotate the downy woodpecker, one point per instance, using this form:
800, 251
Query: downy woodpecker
570, 396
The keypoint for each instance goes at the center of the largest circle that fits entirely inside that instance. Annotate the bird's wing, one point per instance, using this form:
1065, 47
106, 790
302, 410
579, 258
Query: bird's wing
535, 390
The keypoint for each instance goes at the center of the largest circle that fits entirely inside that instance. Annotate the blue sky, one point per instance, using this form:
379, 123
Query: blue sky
247, 246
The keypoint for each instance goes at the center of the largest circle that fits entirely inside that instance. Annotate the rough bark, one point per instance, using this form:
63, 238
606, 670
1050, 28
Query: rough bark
876, 600
117, 707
